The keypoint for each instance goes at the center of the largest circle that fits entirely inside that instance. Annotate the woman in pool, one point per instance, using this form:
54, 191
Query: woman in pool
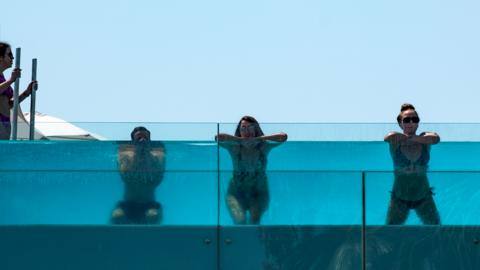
248, 189
6, 91
410, 153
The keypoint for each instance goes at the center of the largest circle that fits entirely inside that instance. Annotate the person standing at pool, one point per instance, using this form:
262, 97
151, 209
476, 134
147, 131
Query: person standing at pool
6, 91
411, 153
142, 166
248, 188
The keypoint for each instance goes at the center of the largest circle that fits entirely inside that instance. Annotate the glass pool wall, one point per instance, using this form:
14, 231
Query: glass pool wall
329, 191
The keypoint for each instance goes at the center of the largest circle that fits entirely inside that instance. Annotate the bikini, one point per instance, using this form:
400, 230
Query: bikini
5, 120
400, 161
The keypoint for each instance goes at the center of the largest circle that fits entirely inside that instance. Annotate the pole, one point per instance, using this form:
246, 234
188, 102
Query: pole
33, 99
364, 224
15, 96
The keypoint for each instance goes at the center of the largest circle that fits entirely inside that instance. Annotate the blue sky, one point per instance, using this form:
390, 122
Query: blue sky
281, 61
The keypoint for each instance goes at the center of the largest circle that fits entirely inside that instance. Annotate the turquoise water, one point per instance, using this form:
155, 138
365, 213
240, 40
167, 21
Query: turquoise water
311, 183
56, 199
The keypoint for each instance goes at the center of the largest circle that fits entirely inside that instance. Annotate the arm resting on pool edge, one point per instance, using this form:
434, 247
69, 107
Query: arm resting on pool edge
395, 137
280, 137
426, 138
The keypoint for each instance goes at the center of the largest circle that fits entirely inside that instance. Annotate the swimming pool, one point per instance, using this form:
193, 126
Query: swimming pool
56, 199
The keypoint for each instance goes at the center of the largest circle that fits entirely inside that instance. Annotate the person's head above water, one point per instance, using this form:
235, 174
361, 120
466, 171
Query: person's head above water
248, 127
140, 134
6, 56
408, 119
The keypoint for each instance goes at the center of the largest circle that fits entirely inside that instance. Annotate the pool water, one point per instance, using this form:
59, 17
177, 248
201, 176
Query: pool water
56, 199
310, 183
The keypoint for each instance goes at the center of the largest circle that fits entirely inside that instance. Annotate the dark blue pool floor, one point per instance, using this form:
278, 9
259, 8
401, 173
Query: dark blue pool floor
238, 247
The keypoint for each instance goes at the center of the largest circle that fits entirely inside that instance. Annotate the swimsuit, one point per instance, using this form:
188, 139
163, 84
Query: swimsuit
412, 204
135, 212
5, 120
409, 184
250, 188
401, 161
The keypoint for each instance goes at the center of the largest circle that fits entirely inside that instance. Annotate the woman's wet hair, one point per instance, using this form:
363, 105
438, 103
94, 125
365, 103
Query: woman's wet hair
405, 107
251, 120
3, 48
137, 129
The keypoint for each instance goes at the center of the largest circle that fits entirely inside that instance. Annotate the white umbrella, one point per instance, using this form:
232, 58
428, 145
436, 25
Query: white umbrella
52, 128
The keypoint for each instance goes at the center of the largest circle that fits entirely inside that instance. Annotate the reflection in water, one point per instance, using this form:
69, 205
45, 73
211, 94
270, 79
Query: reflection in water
304, 247
141, 166
349, 254
290, 248
329, 248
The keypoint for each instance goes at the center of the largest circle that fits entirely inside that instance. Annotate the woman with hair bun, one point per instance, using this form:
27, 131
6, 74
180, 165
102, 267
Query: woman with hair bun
411, 153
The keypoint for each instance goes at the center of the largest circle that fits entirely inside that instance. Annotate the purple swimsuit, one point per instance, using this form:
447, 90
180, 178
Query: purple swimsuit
5, 120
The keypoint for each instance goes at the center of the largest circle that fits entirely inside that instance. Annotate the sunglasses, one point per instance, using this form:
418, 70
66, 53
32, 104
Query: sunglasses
249, 128
413, 119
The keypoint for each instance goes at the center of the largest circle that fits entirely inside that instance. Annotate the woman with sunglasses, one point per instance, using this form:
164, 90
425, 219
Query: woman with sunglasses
248, 189
411, 153
6, 91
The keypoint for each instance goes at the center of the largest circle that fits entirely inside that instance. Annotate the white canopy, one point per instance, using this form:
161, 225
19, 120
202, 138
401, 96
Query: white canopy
51, 128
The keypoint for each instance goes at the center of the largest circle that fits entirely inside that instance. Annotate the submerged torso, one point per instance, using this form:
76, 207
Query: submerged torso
141, 173
411, 164
5, 97
249, 164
